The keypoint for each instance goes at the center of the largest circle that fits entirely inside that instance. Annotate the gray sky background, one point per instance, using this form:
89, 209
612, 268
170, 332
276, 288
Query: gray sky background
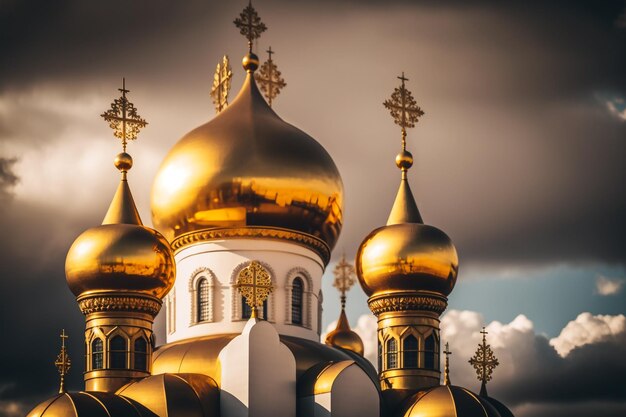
519, 158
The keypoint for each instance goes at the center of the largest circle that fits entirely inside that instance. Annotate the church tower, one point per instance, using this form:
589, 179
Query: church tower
119, 272
407, 269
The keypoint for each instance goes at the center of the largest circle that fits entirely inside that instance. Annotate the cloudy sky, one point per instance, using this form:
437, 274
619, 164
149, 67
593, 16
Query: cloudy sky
520, 158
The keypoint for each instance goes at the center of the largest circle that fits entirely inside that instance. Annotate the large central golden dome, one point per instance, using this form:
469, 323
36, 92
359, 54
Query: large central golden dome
248, 167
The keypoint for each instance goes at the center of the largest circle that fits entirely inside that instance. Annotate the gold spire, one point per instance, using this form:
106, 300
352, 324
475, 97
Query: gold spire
269, 79
343, 336
446, 369
63, 362
126, 124
344, 278
255, 284
221, 84
406, 113
250, 25
484, 362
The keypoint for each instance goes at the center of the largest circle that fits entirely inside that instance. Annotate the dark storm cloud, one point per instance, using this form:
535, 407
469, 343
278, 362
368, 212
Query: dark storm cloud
517, 157
36, 304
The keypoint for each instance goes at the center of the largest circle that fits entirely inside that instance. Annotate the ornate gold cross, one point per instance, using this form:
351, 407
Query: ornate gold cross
403, 108
221, 84
269, 78
484, 362
123, 118
63, 362
255, 285
344, 278
446, 369
250, 25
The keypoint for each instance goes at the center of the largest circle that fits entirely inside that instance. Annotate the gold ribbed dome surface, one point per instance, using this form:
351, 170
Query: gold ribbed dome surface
344, 337
89, 404
448, 401
248, 167
121, 255
407, 257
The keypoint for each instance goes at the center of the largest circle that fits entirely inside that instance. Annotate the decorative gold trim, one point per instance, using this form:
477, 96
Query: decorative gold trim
405, 302
309, 241
94, 303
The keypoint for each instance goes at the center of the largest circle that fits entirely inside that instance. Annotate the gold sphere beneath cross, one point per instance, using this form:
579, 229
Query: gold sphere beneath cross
123, 162
404, 160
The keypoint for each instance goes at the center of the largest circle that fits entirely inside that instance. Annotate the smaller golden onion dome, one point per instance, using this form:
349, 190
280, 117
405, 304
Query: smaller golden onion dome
406, 255
449, 401
344, 337
121, 255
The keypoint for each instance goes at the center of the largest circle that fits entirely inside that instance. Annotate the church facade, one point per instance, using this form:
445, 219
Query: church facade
247, 209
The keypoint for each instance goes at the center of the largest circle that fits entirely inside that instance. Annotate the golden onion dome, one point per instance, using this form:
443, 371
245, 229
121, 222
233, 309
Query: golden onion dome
449, 401
121, 255
248, 168
406, 255
344, 337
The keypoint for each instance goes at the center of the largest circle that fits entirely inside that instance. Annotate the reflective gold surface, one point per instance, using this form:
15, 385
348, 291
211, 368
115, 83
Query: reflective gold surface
448, 401
120, 257
189, 395
407, 257
200, 355
320, 379
89, 404
344, 337
247, 167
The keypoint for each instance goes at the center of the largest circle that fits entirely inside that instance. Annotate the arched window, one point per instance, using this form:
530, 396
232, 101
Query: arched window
117, 353
392, 353
97, 352
297, 291
246, 310
429, 352
203, 300
141, 354
380, 357
409, 354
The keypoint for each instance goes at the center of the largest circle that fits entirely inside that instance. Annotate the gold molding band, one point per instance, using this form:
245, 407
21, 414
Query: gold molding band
309, 241
95, 303
407, 302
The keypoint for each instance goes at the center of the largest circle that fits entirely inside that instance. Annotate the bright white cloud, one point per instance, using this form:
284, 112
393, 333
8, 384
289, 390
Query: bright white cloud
529, 361
608, 286
587, 329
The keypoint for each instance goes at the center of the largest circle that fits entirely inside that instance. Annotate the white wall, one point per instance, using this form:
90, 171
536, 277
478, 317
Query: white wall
222, 258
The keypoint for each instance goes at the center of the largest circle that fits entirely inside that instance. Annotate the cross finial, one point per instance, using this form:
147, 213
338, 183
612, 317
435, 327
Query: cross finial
446, 369
250, 25
403, 108
63, 362
123, 118
221, 84
255, 285
484, 362
344, 278
269, 79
